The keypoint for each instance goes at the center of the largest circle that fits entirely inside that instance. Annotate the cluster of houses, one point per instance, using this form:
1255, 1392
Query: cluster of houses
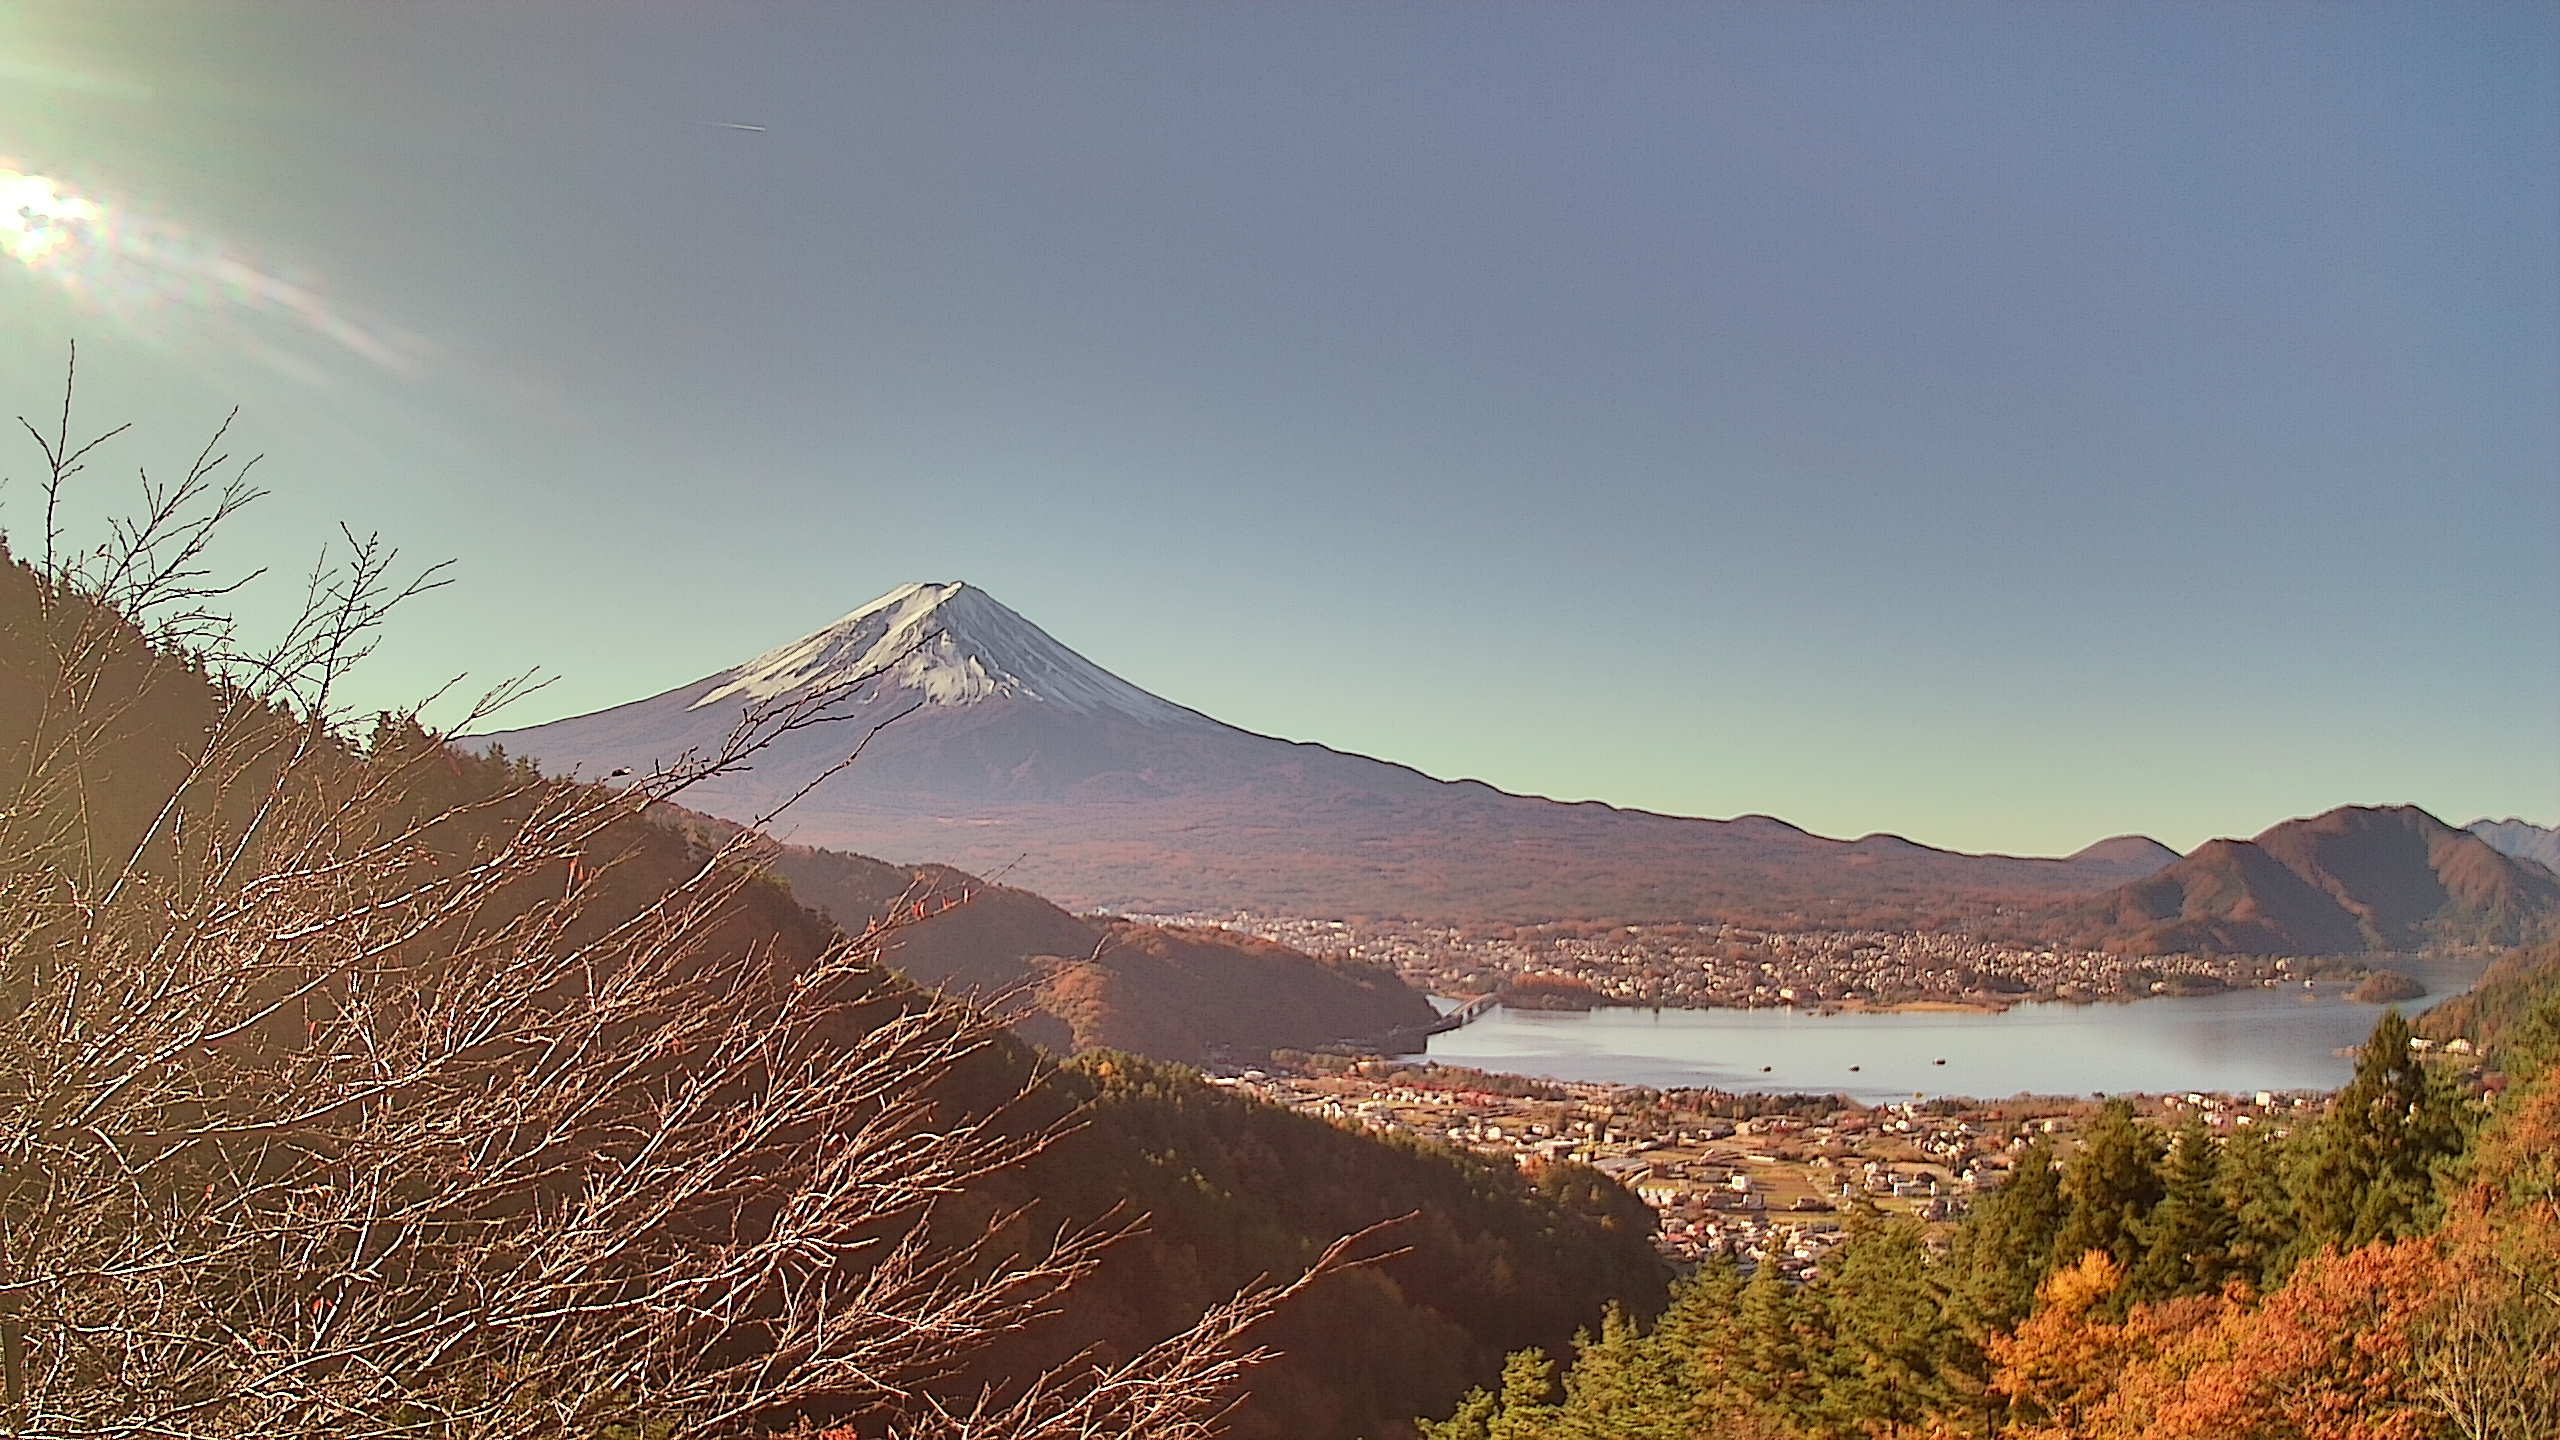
1695, 966
1754, 1188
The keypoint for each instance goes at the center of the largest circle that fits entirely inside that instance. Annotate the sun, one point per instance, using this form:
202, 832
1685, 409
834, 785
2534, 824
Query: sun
39, 219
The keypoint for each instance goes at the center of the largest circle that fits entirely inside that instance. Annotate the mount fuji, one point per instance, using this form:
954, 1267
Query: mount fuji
1013, 755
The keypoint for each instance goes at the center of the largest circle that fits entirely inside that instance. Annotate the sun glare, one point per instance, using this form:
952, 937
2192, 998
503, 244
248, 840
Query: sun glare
39, 220
166, 279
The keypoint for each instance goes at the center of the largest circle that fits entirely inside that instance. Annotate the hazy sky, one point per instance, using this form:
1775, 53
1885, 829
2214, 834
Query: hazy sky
2002, 425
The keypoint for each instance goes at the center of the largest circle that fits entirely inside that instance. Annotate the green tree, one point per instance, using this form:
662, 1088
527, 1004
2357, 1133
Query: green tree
1776, 1345
1896, 1356
1625, 1385
1524, 1410
2112, 1183
2188, 1249
2006, 1246
2257, 1196
2368, 1170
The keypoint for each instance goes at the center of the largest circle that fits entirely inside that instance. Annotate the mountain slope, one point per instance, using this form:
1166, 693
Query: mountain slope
2509, 991
1174, 994
1231, 1190
1011, 753
2521, 839
2355, 879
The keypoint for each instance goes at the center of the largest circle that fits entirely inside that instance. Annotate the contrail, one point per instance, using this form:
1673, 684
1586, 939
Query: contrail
734, 125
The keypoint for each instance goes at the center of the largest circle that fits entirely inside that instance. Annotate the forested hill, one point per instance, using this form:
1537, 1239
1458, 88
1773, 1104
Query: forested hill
99, 729
2491, 1012
2352, 880
1186, 994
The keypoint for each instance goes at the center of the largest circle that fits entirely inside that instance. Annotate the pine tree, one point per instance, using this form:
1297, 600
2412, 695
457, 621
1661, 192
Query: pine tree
2112, 1183
2257, 1196
1773, 1359
1695, 1345
2007, 1245
2368, 1170
1524, 1410
1623, 1385
2188, 1238
1896, 1358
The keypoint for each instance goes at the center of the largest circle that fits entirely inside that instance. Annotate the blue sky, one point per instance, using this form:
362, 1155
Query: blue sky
2001, 425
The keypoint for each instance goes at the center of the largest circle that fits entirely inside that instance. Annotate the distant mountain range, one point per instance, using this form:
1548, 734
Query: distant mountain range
2522, 839
2356, 879
1021, 757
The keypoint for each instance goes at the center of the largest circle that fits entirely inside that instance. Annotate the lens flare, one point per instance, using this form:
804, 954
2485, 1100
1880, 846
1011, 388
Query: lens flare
37, 220
164, 279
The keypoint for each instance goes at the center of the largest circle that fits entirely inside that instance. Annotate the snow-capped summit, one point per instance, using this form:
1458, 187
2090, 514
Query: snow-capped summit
948, 644
1027, 759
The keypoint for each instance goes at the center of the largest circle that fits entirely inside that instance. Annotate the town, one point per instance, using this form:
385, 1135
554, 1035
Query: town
1701, 966
1754, 1179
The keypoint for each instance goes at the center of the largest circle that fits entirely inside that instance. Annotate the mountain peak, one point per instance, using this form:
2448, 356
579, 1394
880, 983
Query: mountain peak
2128, 851
2520, 838
947, 643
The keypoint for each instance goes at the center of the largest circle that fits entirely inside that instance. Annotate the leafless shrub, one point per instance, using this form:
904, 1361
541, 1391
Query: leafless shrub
324, 1111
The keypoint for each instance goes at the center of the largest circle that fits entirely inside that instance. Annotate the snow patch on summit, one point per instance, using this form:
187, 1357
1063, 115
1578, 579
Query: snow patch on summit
949, 644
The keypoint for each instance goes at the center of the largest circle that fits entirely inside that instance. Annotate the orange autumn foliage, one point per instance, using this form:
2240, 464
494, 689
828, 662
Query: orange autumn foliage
2405, 1340
2328, 1356
2061, 1371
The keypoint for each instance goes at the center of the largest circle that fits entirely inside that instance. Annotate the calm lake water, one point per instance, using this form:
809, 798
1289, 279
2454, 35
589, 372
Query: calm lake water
2243, 1040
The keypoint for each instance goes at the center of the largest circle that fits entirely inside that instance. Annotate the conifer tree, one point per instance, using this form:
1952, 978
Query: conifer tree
2368, 1171
1623, 1385
2188, 1237
2257, 1197
1895, 1360
1524, 1410
1695, 1347
2007, 1246
1775, 1350
2112, 1183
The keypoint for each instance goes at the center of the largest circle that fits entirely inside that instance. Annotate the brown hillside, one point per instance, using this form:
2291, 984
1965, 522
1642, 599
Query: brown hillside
2355, 879
98, 728
1183, 994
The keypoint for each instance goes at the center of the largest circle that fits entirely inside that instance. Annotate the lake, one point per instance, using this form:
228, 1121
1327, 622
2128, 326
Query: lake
2242, 1040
